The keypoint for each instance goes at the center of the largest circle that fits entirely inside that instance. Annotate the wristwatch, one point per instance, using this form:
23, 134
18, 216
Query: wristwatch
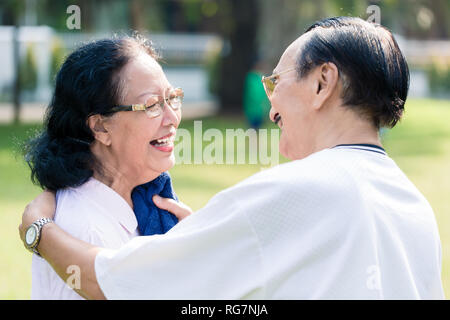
33, 234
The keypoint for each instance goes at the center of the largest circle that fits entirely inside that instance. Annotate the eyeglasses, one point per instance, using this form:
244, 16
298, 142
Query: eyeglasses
270, 82
154, 106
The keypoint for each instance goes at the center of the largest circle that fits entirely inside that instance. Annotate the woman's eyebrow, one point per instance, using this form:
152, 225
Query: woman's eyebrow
153, 93
147, 93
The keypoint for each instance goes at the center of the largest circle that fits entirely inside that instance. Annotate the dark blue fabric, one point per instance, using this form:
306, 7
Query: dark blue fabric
151, 219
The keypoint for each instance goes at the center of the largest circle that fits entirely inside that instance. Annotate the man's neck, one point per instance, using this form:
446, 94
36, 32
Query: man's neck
349, 130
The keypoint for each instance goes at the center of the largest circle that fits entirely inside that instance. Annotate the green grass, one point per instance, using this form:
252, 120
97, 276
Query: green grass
420, 145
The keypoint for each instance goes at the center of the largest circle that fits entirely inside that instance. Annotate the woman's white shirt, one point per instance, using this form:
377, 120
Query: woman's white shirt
94, 213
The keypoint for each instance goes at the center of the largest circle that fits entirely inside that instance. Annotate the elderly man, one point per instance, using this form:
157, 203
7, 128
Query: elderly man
341, 221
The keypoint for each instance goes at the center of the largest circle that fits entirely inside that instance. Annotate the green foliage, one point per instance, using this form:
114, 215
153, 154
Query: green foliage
213, 71
58, 53
439, 77
28, 69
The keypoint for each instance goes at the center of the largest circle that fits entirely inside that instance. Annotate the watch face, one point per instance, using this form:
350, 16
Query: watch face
30, 235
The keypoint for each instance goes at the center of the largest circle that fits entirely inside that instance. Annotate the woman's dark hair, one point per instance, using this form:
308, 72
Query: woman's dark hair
88, 83
372, 68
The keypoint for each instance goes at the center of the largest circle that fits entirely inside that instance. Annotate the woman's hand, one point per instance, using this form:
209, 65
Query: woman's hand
43, 206
179, 209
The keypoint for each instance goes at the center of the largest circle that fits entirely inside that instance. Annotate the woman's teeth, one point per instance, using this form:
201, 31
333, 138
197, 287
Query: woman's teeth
162, 142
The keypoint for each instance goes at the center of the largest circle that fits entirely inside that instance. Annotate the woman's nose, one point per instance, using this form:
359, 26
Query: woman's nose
171, 116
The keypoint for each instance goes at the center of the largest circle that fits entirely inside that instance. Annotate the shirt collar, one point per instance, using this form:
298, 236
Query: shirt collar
362, 146
111, 201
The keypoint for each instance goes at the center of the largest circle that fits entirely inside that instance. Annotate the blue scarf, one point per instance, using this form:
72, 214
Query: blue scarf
151, 219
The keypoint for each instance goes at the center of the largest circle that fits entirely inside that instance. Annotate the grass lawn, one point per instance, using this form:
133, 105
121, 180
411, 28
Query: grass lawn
420, 145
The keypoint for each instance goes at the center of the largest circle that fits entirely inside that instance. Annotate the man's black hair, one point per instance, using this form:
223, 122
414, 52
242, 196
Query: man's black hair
373, 70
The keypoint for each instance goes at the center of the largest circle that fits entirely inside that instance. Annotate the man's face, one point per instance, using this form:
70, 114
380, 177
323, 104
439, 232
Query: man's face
291, 102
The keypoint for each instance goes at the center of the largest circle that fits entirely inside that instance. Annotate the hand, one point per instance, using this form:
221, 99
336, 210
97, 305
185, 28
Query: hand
43, 206
179, 209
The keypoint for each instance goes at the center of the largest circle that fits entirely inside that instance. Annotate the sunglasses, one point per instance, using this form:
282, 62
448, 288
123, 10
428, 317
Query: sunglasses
154, 105
270, 82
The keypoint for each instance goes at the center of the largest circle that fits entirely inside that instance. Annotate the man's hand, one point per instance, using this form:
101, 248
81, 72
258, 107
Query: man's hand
179, 209
43, 206
60, 249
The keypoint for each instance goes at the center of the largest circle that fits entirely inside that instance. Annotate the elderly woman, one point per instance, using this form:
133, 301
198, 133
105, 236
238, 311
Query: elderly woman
95, 154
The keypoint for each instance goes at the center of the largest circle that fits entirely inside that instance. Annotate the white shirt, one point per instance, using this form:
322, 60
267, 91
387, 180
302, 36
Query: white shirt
94, 213
343, 223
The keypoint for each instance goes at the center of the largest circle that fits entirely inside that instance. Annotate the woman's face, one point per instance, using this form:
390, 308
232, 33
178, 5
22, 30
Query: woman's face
133, 149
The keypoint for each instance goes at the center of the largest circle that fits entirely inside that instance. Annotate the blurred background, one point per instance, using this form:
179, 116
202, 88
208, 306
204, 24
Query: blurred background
216, 50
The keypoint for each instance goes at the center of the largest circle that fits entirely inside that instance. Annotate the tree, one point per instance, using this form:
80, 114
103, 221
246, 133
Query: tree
11, 12
239, 27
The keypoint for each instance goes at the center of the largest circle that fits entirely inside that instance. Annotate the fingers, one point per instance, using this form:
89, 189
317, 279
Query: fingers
179, 209
21, 232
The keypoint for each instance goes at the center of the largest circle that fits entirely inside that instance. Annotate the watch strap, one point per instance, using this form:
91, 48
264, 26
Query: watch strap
39, 223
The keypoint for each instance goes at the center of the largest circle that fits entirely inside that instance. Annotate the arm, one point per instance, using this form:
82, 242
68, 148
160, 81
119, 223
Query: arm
61, 250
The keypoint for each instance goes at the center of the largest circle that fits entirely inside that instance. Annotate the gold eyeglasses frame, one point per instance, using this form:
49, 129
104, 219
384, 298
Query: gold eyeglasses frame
269, 82
176, 92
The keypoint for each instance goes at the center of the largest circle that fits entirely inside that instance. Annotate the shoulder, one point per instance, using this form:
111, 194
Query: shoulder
73, 206
305, 192
313, 200
80, 216
95, 213
311, 187
324, 171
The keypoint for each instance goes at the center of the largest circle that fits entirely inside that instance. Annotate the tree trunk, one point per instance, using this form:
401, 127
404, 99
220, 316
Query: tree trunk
241, 33
280, 27
440, 9
16, 84
135, 15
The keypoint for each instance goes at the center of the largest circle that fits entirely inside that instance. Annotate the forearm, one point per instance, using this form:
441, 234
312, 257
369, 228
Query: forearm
61, 251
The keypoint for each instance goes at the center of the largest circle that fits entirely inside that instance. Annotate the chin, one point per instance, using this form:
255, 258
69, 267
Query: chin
284, 150
284, 154
167, 164
152, 170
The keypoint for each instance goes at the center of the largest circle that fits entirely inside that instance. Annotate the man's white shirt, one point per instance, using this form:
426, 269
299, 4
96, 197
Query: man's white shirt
343, 223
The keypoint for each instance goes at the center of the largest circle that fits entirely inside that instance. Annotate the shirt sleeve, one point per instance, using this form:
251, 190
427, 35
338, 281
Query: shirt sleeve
195, 260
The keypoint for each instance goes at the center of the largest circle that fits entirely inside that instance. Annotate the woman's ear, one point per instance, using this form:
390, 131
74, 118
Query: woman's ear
97, 124
327, 76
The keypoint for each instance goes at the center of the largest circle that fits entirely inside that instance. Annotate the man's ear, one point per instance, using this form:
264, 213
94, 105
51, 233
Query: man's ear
97, 124
327, 77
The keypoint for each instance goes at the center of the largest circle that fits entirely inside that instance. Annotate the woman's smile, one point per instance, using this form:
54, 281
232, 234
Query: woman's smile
164, 143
